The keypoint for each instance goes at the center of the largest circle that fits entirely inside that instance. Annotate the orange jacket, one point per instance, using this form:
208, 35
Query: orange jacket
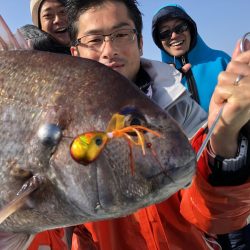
52, 239
180, 221
56, 239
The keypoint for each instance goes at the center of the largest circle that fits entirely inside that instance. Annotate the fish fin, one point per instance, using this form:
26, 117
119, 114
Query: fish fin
23, 43
10, 41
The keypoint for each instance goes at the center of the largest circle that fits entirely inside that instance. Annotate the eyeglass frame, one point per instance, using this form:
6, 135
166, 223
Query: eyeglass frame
178, 29
112, 38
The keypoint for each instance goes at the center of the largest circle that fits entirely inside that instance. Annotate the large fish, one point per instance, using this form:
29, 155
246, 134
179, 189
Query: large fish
48, 99
79, 142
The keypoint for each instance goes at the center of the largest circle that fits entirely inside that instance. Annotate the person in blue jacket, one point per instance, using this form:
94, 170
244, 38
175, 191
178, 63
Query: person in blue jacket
175, 33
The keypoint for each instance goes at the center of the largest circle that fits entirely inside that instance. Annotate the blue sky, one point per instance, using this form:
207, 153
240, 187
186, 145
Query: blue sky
220, 22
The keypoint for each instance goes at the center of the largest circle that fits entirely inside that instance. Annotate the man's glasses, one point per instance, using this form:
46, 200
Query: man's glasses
167, 34
96, 42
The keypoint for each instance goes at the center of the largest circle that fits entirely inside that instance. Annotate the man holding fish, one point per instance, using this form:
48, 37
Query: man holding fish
110, 32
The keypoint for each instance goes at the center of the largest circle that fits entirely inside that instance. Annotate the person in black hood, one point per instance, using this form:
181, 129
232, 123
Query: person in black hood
173, 12
175, 33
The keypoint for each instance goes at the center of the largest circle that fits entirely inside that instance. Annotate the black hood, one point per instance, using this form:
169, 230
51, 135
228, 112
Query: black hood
170, 12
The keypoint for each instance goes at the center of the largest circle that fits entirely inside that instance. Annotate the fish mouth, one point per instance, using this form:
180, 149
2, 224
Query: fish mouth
161, 186
178, 177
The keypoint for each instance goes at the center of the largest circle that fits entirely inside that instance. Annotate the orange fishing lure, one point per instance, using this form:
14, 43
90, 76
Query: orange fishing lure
86, 147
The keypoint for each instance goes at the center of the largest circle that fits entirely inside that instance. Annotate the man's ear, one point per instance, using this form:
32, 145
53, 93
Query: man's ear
74, 51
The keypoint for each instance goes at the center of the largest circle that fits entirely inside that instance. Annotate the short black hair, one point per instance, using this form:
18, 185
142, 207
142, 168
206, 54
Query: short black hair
77, 7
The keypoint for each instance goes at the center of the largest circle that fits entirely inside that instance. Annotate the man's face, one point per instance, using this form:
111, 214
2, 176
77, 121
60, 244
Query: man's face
178, 43
54, 21
123, 57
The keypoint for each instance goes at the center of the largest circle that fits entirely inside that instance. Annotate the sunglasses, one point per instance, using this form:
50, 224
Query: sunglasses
166, 35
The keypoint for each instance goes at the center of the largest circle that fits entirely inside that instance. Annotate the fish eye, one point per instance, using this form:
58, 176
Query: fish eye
49, 134
133, 116
135, 119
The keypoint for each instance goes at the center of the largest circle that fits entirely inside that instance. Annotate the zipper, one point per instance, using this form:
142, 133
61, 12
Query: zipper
190, 81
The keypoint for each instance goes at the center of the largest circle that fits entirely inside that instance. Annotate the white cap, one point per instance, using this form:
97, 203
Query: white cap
34, 9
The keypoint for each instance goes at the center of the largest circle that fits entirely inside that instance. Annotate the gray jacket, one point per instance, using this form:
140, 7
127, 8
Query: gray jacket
171, 95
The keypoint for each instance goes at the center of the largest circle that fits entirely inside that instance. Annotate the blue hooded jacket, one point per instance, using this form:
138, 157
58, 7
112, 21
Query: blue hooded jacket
206, 63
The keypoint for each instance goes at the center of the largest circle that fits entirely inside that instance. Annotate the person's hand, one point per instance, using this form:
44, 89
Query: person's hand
186, 68
236, 111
